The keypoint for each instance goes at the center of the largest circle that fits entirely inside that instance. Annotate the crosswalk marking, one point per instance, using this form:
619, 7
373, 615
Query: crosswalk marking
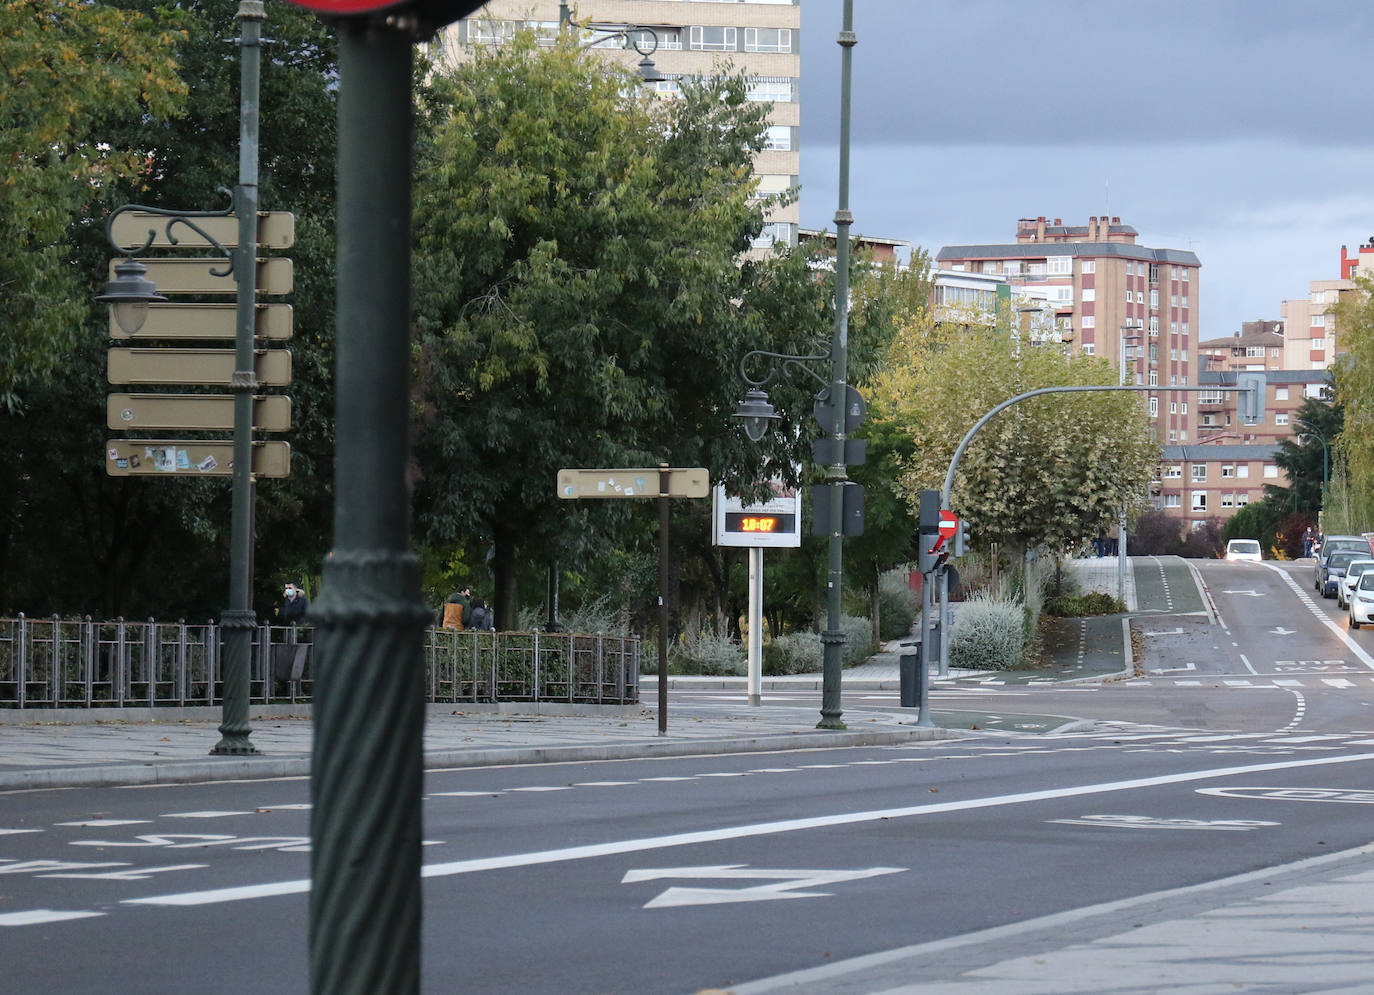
1338, 682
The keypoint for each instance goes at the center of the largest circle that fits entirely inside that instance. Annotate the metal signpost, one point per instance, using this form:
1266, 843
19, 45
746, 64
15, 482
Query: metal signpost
662, 482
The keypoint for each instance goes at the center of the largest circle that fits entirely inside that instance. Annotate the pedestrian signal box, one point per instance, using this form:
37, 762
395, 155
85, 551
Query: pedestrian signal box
776, 522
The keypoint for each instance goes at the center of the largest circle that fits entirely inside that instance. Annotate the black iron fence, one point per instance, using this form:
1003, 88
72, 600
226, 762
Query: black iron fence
80, 663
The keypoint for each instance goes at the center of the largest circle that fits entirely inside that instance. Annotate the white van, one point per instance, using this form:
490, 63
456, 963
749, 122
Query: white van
1244, 549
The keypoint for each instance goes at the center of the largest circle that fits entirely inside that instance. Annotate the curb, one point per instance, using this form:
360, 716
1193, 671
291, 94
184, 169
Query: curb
266, 768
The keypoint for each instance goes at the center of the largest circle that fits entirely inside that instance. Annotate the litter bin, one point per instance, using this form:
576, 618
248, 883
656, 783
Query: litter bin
909, 674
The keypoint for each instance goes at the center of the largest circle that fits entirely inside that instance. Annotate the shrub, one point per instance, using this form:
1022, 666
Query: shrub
793, 653
858, 639
898, 605
1083, 605
711, 656
988, 634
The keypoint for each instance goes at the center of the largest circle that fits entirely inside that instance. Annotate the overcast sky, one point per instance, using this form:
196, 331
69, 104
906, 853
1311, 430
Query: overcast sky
1238, 129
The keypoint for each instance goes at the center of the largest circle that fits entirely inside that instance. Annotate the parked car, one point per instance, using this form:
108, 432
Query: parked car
1362, 601
1335, 544
1353, 571
1244, 549
1334, 570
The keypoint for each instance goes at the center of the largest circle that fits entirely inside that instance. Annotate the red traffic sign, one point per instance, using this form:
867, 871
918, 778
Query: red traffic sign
436, 12
949, 523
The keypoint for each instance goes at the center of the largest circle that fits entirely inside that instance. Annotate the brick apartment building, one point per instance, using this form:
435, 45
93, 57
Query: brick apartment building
760, 37
1108, 293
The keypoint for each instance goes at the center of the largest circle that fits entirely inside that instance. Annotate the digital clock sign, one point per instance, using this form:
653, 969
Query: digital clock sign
739, 521
776, 522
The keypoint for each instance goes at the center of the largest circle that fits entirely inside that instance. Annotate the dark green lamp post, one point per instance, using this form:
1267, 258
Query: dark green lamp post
129, 295
757, 412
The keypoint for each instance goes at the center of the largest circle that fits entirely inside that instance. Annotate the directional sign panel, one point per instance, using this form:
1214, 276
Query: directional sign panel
193, 412
194, 367
276, 230
207, 321
193, 276
187, 458
633, 482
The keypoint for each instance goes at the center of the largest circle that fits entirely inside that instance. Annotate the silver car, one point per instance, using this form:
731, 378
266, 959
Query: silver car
1351, 578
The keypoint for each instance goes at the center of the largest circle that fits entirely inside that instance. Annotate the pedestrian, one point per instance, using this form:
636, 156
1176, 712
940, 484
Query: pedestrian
1100, 543
482, 616
1308, 538
455, 607
293, 609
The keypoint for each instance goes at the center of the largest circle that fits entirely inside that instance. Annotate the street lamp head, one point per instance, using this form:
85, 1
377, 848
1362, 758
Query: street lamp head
129, 295
757, 413
648, 72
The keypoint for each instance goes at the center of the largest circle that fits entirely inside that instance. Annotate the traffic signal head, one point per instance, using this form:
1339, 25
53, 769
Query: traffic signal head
960, 539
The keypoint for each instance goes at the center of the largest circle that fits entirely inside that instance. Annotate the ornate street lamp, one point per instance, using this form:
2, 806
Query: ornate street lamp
757, 412
129, 295
642, 38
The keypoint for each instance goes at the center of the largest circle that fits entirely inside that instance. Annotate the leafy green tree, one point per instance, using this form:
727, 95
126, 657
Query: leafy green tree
1045, 473
580, 300
66, 67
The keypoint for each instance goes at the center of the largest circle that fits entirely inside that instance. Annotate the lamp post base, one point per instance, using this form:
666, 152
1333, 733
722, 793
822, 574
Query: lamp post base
234, 728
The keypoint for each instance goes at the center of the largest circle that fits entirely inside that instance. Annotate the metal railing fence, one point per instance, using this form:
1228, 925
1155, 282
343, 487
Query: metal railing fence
80, 663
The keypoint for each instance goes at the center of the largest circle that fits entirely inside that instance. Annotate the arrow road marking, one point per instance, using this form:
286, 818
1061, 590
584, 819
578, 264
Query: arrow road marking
1176, 670
1279, 630
789, 883
1248, 594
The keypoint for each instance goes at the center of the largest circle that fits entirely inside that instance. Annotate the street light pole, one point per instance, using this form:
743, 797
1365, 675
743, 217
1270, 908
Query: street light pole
832, 640
239, 619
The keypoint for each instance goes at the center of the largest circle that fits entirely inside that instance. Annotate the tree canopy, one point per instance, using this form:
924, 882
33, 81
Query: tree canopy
1050, 470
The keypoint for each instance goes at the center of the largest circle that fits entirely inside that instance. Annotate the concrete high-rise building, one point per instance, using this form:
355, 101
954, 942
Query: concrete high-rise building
1108, 293
762, 38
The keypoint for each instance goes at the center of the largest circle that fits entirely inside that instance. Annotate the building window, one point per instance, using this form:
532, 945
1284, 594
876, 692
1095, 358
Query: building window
1185, 275
1228, 500
774, 233
1318, 344
1199, 471
1154, 407
1089, 349
1036, 269
1089, 295
778, 138
1243, 470
1154, 272
712, 38
1280, 393
1129, 297
1280, 418
1059, 265
768, 39
1173, 471
1090, 321
777, 90
1271, 472
1154, 324
483, 31
1199, 500
1318, 321
1228, 470
1154, 379
1254, 350
1173, 500
1089, 265
1173, 407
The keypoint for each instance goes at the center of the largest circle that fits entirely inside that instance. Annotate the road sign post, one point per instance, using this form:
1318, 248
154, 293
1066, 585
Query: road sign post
662, 482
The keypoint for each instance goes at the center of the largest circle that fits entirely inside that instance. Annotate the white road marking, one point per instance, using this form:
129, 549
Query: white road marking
18, 832
1337, 682
36, 917
539, 787
461, 794
535, 858
601, 784
1281, 682
787, 883
1341, 633
100, 823
201, 815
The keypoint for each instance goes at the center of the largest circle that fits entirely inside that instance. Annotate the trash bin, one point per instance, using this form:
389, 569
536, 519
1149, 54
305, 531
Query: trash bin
908, 672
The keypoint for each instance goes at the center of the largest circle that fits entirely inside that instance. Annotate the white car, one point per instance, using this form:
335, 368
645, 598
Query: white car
1352, 577
1362, 601
1244, 549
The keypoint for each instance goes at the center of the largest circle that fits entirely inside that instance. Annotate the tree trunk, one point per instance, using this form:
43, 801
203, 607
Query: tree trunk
503, 599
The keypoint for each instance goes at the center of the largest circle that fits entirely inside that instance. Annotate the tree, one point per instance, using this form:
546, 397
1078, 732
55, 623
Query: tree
68, 66
580, 300
1045, 473
1353, 376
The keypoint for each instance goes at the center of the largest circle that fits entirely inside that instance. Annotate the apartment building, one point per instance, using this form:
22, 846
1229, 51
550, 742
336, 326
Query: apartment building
1284, 393
1201, 482
688, 39
1259, 345
1110, 296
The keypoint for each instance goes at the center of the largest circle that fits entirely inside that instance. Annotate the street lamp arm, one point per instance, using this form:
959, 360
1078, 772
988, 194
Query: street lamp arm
780, 365
1078, 389
174, 218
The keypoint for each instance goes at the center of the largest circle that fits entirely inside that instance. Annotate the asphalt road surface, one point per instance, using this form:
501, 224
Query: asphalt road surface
1246, 743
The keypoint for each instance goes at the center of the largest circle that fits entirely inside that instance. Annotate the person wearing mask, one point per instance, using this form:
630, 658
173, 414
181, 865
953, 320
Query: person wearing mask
293, 609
